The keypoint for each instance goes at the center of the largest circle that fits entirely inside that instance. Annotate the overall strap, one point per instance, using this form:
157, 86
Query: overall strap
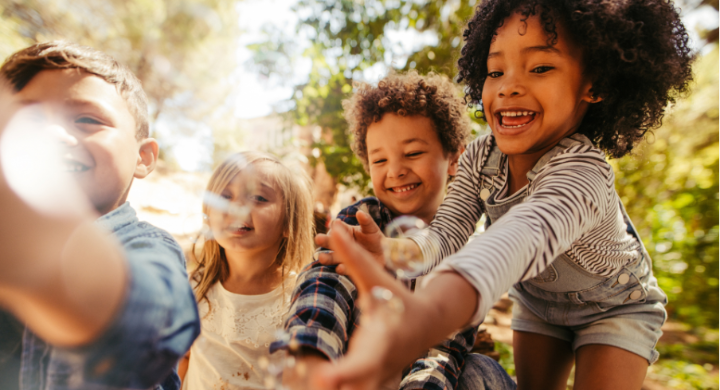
491, 167
565, 143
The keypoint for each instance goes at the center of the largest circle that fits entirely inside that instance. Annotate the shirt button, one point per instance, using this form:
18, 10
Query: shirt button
623, 279
635, 294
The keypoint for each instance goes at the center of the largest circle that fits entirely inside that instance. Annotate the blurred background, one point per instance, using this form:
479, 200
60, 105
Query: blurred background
227, 75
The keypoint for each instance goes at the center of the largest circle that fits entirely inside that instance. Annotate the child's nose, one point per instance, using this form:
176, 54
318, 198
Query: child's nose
397, 169
62, 135
511, 87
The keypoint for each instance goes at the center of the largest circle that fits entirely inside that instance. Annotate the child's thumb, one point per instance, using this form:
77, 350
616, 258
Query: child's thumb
367, 224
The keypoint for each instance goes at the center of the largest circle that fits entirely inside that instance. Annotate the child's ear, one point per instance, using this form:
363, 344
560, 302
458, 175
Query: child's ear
455, 162
147, 157
591, 97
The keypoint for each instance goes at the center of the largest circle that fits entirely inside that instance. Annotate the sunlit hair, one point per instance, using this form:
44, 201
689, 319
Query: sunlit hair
433, 96
22, 66
296, 248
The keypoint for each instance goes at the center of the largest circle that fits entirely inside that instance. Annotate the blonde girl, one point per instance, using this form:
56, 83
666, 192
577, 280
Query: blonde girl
260, 230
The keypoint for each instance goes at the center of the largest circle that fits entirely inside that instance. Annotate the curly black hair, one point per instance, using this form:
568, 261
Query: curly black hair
433, 96
635, 51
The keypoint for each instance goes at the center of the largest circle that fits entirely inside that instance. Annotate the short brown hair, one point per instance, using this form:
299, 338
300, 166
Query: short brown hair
22, 66
433, 96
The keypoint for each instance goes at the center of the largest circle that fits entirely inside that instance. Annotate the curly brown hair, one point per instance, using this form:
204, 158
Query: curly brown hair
433, 96
635, 51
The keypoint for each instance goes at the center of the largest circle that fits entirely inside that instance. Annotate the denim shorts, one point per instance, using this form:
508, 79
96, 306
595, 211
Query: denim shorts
610, 319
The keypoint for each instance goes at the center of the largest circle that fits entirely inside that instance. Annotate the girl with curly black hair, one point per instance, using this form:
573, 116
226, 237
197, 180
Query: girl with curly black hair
561, 84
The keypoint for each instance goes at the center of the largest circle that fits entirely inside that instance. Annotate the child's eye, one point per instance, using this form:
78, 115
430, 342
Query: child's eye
414, 154
494, 75
226, 195
542, 69
87, 120
258, 198
379, 161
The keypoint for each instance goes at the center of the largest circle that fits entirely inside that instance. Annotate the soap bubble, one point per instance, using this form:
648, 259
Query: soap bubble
399, 258
236, 200
273, 367
217, 202
387, 299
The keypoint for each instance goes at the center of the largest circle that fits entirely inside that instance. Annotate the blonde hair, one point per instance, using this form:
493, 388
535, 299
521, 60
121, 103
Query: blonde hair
296, 247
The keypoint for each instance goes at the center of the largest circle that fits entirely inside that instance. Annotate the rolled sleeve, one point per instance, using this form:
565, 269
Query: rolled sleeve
156, 325
322, 313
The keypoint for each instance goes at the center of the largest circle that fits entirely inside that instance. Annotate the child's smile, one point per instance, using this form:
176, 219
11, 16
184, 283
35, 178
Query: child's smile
535, 94
404, 190
514, 119
408, 167
93, 123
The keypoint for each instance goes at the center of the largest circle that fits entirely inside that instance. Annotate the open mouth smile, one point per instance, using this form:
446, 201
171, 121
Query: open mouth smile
515, 119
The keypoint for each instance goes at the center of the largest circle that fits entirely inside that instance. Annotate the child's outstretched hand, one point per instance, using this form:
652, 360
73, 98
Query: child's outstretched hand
397, 326
383, 301
367, 234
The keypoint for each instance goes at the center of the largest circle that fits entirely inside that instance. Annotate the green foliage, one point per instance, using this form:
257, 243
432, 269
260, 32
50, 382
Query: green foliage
178, 49
677, 374
670, 188
507, 359
348, 38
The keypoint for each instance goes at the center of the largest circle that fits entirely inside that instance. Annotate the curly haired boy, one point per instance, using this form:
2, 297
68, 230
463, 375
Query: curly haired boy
409, 132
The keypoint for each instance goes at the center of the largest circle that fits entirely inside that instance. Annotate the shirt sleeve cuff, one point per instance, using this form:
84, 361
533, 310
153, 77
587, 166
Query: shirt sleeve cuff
315, 338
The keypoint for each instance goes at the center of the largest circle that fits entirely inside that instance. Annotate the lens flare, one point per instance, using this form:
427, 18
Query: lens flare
31, 152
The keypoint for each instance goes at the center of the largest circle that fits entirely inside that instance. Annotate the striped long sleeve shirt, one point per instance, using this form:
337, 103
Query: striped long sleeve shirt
571, 208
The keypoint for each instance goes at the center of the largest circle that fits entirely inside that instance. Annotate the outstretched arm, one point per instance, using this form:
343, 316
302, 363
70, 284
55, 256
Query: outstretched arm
383, 345
61, 276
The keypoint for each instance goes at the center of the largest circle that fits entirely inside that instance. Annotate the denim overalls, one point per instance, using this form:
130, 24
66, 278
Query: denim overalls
565, 301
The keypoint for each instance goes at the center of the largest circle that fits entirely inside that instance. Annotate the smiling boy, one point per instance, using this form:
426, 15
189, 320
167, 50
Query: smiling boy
409, 132
98, 314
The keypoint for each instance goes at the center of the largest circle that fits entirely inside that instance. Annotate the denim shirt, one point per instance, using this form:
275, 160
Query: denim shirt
155, 326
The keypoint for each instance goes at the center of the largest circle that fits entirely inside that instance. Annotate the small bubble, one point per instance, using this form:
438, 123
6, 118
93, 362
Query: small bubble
301, 369
263, 362
269, 382
397, 257
290, 362
294, 345
274, 369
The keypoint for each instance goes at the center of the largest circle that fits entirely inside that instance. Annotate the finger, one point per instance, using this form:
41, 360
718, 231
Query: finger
360, 265
322, 240
341, 269
327, 258
367, 224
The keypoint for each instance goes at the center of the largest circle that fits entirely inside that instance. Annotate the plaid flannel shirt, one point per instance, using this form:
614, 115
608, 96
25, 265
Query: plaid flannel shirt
323, 316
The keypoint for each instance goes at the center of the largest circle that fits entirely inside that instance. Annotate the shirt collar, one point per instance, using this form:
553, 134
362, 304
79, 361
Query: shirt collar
117, 219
